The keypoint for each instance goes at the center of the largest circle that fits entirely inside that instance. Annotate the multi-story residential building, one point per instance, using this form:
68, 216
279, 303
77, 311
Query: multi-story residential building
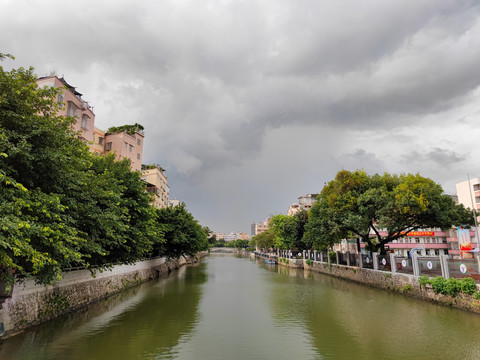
218, 236
173, 202
230, 237
258, 228
126, 142
293, 209
244, 236
154, 176
70, 103
468, 193
98, 141
304, 203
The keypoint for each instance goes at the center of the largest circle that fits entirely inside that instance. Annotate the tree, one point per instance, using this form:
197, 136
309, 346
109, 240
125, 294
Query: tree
355, 205
184, 236
321, 230
285, 230
113, 209
240, 244
39, 157
264, 240
63, 207
302, 221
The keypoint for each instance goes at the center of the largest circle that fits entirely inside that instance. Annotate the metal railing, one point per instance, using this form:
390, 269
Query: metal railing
443, 265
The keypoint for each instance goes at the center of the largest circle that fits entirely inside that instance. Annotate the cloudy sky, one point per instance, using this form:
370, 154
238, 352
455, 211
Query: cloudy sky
250, 104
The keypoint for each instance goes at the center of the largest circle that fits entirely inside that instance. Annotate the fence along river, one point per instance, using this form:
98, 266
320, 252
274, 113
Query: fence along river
231, 307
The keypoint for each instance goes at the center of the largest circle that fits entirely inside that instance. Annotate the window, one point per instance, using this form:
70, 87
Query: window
100, 140
108, 146
138, 141
71, 109
60, 100
138, 156
131, 148
85, 122
126, 145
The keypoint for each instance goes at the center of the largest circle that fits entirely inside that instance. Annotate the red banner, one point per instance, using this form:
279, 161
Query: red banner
421, 233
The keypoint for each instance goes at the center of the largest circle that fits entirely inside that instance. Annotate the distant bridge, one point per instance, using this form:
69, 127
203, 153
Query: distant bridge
226, 250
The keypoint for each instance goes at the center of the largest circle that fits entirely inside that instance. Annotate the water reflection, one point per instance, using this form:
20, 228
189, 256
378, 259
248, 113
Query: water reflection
348, 320
238, 308
141, 323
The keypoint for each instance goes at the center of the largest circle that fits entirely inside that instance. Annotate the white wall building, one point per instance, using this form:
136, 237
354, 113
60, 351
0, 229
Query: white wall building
468, 193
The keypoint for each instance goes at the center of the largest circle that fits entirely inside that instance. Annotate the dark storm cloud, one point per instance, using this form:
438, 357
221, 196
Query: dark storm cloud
439, 156
226, 89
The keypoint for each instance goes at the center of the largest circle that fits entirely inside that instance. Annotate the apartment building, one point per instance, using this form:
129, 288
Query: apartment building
126, 142
468, 193
98, 141
173, 202
70, 103
154, 176
258, 228
304, 203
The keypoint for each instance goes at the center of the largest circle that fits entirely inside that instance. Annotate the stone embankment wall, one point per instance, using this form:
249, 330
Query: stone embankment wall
31, 304
402, 283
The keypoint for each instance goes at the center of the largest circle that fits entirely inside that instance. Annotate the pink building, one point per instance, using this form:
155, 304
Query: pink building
98, 141
258, 228
71, 104
126, 142
428, 242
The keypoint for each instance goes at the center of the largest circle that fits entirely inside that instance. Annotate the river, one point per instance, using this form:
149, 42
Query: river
230, 307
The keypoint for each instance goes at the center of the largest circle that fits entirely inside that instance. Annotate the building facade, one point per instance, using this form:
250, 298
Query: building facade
126, 144
98, 141
304, 203
154, 176
71, 104
468, 193
258, 228
173, 202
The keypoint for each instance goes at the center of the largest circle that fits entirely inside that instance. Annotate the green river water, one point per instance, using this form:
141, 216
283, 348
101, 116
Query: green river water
230, 307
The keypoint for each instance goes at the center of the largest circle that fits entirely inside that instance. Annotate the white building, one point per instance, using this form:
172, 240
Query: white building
468, 193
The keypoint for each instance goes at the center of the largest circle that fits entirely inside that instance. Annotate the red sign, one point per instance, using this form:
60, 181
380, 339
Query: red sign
421, 233
417, 233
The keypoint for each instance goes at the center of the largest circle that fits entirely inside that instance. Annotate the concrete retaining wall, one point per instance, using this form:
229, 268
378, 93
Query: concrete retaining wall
31, 304
402, 283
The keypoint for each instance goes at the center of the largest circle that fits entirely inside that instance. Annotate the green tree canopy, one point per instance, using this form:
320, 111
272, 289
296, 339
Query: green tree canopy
184, 236
356, 205
264, 240
63, 207
40, 159
285, 230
